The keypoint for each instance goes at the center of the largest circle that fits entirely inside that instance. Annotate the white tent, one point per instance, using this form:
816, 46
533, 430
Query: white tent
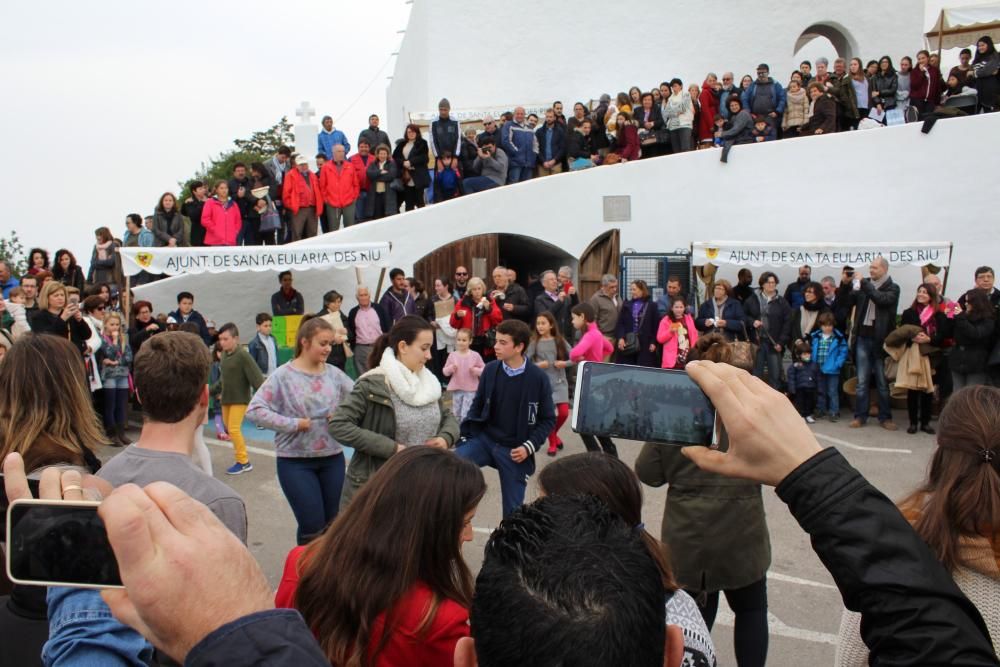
959, 27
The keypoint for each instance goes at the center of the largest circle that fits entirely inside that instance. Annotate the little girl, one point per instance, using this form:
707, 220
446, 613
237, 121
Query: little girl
464, 367
593, 346
677, 334
549, 351
113, 358
214, 413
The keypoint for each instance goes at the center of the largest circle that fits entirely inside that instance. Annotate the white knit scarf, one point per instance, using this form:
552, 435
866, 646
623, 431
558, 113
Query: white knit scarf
414, 389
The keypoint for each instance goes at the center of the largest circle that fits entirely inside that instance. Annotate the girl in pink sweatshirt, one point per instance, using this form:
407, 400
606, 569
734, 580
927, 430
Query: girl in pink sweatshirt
464, 366
593, 346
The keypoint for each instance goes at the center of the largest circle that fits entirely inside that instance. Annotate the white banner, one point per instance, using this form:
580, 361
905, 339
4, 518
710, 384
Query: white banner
225, 259
834, 255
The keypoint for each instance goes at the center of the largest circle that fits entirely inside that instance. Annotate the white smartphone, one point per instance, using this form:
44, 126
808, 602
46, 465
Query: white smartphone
59, 543
647, 404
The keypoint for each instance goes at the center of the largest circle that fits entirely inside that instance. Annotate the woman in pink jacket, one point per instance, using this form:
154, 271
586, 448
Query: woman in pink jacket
593, 346
221, 218
677, 334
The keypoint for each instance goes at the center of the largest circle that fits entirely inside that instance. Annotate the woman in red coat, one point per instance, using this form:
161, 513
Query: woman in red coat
626, 138
709, 102
414, 513
925, 84
479, 314
221, 218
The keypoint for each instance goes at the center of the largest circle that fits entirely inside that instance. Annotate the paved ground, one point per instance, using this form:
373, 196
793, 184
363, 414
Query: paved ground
805, 606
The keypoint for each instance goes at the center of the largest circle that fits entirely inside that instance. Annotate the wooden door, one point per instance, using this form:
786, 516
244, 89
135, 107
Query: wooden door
601, 257
479, 254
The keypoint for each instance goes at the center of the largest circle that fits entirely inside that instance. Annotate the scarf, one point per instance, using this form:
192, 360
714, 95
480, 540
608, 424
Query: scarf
869, 320
719, 307
414, 389
927, 319
809, 316
102, 250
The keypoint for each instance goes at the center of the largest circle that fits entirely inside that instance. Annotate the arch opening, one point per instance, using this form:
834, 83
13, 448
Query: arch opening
838, 36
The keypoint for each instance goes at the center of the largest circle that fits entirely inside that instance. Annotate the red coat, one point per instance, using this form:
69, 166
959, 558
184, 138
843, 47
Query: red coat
487, 321
709, 102
628, 145
436, 648
339, 188
362, 169
925, 86
666, 337
222, 223
295, 194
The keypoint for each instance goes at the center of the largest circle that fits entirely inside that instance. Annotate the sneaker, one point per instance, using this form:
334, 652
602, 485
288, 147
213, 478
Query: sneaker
810, 419
223, 436
834, 417
856, 423
239, 468
889, 425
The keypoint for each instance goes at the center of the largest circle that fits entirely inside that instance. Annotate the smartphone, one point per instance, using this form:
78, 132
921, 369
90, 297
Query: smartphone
59, 543
648, 404
74, 299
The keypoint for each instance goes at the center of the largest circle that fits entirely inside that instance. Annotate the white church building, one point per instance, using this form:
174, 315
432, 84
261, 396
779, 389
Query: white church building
490, 56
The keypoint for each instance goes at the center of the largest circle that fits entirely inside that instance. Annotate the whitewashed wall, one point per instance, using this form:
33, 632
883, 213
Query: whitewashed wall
478, 54
895, 184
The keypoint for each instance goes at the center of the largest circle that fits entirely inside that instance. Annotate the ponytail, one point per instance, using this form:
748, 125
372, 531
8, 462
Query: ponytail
405, 330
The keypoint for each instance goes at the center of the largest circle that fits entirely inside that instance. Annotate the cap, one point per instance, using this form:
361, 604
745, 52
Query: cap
301, 159
444, 103
171, 320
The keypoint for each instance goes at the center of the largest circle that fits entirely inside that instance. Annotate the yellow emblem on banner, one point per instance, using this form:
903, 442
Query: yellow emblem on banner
711, 253
144, 259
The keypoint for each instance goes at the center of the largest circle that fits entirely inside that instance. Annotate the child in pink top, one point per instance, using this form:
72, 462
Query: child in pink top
464, 366
593, 346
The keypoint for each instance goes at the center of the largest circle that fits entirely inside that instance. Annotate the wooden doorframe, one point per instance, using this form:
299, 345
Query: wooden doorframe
602, 256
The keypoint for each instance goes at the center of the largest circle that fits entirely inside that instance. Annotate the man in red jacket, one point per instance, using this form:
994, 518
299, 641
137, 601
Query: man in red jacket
338, 181
360, 161
301, 197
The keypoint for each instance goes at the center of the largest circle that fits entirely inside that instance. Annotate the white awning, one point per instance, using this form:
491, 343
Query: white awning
834, 255
227, 259
958, 27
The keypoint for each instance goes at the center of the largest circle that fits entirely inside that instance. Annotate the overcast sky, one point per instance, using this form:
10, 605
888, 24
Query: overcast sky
108, 104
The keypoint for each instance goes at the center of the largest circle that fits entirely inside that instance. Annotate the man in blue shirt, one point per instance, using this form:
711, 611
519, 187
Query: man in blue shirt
511, 415
329, 137
7, 281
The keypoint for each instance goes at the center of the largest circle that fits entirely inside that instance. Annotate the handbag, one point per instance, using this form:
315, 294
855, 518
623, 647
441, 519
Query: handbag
631, 344
744, 352
270, 221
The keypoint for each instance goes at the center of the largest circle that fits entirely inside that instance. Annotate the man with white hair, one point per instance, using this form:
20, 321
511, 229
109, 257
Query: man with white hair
729, 87
607, 304
875, 299
365, 323
518, 141
511, 297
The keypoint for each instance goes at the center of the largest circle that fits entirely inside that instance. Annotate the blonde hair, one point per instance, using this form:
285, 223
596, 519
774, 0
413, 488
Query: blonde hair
475, 281
49, 420
48, 288
112, 315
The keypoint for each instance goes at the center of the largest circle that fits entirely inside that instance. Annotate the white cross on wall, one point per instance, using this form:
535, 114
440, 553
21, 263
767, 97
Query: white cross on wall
305, 112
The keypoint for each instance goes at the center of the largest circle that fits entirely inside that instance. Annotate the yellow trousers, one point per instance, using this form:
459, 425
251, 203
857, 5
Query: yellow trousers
232, 417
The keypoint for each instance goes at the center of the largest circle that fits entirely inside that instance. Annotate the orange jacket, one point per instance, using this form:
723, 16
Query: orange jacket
339, 188
295, 194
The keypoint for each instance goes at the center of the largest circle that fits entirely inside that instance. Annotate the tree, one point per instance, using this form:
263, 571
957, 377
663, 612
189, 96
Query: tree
12, 252
258, 148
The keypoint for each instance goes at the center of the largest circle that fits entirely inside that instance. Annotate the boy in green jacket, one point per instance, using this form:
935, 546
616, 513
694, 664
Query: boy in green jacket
241, 377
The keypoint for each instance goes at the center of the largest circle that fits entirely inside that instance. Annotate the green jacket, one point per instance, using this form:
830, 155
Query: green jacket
843, 92
714, 525
241, 377
365, 420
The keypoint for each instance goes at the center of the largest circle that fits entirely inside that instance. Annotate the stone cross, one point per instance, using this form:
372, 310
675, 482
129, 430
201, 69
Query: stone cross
305, 112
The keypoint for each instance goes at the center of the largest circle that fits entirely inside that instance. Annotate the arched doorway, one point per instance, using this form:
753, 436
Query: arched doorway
837, 35
603, 256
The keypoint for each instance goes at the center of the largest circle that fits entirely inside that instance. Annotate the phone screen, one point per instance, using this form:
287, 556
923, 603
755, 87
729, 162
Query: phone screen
54, 543
646, 404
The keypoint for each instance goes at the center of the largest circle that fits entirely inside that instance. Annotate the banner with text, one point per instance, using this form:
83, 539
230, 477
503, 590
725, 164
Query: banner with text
835, 255
225, 259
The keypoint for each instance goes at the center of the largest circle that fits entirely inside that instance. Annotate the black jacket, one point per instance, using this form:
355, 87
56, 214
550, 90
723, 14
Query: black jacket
779, 320
537, 411
418, 160
886, 300
282, 306
912, 612
523, 308
561, 310
273, 638
795, 323
77, 331
973, 343
655, 116
649, 322
467, 158
578, 145
558, 142
383, 319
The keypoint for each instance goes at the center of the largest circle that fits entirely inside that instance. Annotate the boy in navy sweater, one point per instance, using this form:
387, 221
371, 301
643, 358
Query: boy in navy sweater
803, 381
511, 415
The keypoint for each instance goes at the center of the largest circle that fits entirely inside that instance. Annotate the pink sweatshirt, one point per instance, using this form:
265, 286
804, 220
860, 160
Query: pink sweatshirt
592, 347
464, 370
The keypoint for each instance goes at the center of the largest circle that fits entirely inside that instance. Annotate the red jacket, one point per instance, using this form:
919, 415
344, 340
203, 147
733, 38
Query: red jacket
709, 102
666, 337
295, 194
435, 648
339, 188
925, 86
362, 169
222, 223
487, 321
628, 145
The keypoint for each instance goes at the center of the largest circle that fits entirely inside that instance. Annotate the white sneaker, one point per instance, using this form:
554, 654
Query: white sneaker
810, 420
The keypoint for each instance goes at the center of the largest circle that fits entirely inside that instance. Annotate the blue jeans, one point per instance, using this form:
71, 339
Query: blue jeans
312, 487
362, 206
829, 393
115, 403
82, 632
767, 356
518, 174
482, 451
478, 184
867, 360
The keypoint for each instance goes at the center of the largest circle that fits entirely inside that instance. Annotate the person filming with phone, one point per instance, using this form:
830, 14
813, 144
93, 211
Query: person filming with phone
60, 316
